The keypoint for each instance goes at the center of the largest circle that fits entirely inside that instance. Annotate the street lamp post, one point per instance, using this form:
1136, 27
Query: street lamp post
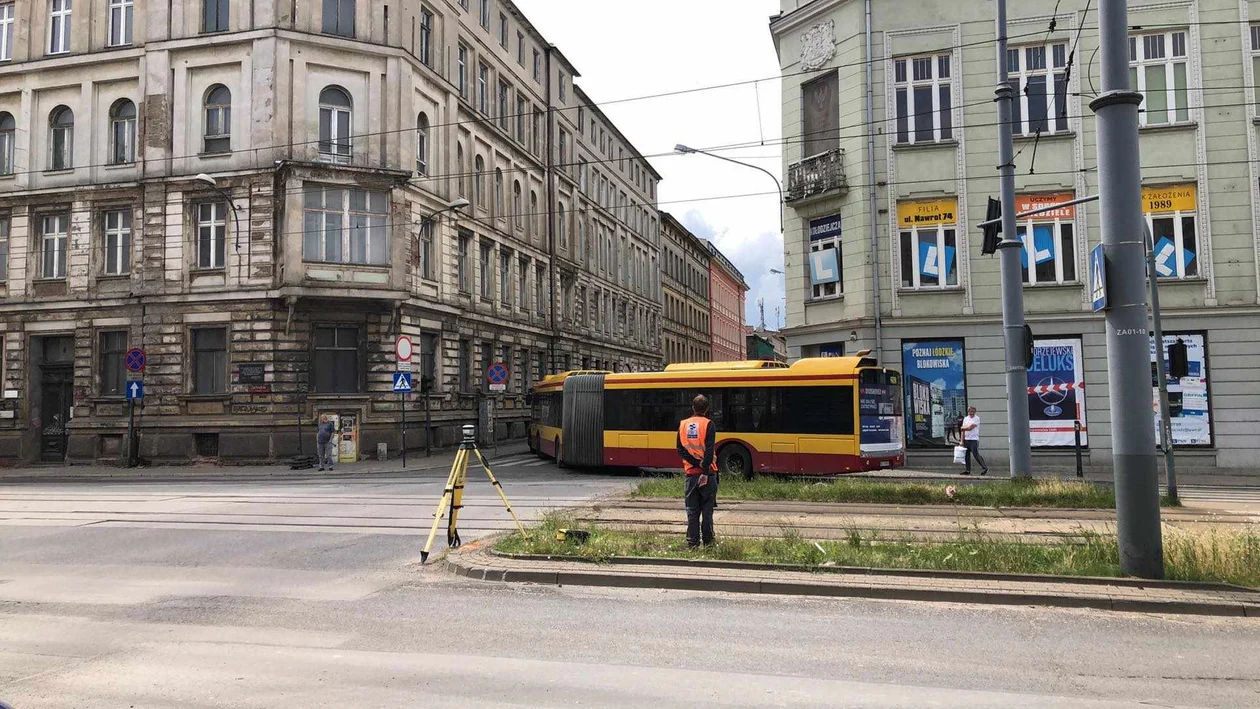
680, 148
427, 386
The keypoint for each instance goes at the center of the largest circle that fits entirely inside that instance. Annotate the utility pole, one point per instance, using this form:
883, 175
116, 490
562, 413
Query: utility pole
1161, 373
1128, 343
1009, 249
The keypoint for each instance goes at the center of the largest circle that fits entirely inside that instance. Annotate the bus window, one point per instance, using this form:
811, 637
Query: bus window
879, 410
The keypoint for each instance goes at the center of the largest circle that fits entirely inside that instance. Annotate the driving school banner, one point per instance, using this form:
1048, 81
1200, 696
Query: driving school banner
1056, 392
1187, 396
935, 390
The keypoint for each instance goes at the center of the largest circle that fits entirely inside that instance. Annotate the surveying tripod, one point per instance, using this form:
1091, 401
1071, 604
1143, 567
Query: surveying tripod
453, 494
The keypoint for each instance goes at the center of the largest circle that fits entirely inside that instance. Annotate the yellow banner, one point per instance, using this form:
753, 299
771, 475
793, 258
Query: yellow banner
1169, 198
928, 212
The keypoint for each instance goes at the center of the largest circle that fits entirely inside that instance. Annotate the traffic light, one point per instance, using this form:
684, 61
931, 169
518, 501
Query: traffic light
1178, 360
1028, 347
426, 384
991, 231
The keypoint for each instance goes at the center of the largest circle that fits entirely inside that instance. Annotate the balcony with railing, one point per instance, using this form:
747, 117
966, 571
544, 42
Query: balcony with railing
817, 175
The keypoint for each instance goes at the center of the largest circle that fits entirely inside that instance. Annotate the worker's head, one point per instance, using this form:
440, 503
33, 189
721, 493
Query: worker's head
971, 411
700, 404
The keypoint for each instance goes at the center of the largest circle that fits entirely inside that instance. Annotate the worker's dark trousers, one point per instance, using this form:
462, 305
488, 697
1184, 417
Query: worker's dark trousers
700, 502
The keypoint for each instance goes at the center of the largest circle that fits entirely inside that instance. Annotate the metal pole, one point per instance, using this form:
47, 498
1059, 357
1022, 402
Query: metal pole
872, 206
1161, 376
1076, 430
1012, 274
131, 434
1128, 343
402, 399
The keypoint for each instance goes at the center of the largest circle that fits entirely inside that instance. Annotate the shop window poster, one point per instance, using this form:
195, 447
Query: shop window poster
935, 389
1056, 393
1189, 412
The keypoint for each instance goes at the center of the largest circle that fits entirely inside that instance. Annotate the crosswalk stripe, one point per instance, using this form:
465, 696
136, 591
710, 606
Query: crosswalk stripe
538, 463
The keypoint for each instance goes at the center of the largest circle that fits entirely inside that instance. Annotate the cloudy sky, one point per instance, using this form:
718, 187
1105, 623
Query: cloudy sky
634, 49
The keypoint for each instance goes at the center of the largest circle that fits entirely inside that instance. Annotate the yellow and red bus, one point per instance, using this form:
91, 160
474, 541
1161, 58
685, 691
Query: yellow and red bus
819, 416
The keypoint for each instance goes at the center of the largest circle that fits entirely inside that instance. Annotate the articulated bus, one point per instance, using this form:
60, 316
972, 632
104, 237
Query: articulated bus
819, 416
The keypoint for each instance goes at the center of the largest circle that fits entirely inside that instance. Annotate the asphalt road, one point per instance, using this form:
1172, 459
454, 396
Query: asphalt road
307, 594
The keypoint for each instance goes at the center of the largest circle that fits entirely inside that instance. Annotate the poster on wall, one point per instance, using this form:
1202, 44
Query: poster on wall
1188, 396
935, 390
1056, 393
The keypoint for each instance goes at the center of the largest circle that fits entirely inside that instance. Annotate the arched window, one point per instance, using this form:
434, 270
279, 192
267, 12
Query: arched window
498, 193
533, 212
218, 127
335, 125
516, 202
61, 139
479, 185
564, 239
422, 144
461, 174
8, 129
122, 132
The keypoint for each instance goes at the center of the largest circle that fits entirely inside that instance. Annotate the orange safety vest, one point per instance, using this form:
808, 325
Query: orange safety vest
692, 432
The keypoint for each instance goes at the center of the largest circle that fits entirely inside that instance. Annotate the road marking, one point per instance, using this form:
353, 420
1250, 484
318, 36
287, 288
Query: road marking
541, 462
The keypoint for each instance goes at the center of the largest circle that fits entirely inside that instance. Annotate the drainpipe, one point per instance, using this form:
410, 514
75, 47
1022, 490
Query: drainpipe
551, 221
873, 206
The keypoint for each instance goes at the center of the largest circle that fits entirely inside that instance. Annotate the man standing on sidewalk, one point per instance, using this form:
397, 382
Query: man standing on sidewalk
326, 443
971, 441
695, 447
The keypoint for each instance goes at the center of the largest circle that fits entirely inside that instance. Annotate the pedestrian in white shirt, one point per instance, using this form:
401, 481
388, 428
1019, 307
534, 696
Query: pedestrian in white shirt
971, 441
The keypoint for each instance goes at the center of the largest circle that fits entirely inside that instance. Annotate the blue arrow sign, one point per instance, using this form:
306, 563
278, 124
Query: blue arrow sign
402, 382
135, 390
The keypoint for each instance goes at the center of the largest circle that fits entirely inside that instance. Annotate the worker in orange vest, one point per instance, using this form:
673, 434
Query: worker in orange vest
695, 446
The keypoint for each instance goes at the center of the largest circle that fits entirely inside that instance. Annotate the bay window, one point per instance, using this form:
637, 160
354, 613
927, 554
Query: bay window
346, 226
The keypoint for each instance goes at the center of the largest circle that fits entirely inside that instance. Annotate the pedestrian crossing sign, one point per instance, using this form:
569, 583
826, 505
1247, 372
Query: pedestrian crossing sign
1098, 278
402, 382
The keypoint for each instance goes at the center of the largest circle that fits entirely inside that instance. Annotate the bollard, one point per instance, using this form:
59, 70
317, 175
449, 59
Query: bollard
1080, 472
382, 452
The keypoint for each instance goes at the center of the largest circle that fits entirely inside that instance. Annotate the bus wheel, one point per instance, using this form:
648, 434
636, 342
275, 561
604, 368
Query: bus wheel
559, 454
735, 460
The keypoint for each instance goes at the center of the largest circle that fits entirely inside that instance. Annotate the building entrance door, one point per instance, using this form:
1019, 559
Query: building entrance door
56, 395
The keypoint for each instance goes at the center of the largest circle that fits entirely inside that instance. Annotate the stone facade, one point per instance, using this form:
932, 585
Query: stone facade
686, 306
933, 144
271, 291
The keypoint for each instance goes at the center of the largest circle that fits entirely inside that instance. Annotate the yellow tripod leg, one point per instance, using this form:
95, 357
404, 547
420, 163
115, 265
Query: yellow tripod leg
447, 495
499, 488
457, 503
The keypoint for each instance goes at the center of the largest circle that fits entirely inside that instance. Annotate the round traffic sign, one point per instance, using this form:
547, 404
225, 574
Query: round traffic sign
402, 348
135, 360
497, 373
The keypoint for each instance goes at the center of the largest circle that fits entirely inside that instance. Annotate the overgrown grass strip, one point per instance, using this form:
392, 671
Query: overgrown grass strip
998, 493
1214, 555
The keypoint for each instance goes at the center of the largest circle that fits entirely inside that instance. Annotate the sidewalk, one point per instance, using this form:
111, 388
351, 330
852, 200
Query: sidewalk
416, 463
477, 561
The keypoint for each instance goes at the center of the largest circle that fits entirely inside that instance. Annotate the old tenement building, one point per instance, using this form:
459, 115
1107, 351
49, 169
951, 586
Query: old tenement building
263, 195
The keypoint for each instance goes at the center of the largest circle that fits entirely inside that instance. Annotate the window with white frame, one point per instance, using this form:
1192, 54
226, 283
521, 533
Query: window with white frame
1255, 57
6, 31
4, 248
1038, 78
518, 209
483, 88
520, 117
422, 144
339, 17
540, 289
499, 196
211, 234
8, 135
61, 139
505, 277
923, 92
1049, 240
487, 277
122, 132
59, 14
335, 125
504, 112
928, 256
426, 36
121, 21
522, 278
1171, 213
53, 245
345, 226
1158, 69
117, 242
462, 64
463, 269
426, 250
215, 15
218, 123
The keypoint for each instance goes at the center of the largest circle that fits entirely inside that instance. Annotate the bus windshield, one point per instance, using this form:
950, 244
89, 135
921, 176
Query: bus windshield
879, 411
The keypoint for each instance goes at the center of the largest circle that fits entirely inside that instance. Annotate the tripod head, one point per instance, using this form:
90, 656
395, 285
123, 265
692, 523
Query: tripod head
470, 435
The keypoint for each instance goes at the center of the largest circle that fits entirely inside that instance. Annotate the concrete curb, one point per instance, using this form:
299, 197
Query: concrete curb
463, 566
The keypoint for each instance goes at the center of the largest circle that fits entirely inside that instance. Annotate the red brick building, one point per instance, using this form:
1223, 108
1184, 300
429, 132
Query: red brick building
726, 305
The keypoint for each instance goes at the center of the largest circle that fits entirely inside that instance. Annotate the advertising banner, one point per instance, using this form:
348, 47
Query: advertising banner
1188, 396
1056, 392
935, 391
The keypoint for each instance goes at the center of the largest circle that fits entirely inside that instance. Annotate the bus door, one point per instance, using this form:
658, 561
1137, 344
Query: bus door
880, 413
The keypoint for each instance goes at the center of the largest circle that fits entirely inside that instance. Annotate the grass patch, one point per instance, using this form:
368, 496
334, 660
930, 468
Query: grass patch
1214, 555
998, 493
